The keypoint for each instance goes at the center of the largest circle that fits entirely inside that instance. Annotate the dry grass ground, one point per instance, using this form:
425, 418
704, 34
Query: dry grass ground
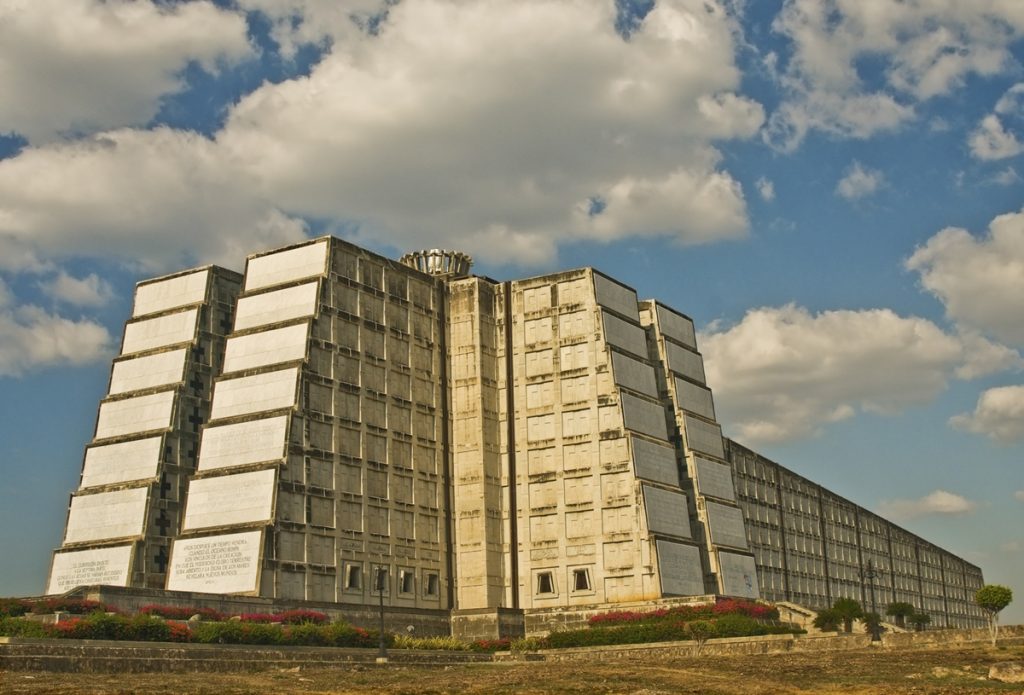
948, 670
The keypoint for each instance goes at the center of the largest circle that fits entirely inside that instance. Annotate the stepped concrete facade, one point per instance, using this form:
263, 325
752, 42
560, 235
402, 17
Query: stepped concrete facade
336, 424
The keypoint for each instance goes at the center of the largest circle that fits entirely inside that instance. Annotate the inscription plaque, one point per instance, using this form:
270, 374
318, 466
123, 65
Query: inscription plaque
109, 566
680, 569
226, 564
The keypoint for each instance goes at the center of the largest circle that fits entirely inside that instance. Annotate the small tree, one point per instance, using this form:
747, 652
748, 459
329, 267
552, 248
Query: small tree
919, 620
701, 631
873, 625
993, 598
900, 610
847, 610
827, 620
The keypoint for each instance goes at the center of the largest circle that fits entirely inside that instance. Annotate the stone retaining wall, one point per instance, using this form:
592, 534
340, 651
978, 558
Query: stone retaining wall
101, 656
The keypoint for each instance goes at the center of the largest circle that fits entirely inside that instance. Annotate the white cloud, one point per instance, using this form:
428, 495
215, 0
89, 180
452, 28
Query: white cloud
491, 140
89, 65
298, 22
859, 181
783, 374
979, 280
32, 338
999, 414
90, 291
990, 140
161, 198
925, 49
1012, 101
936, 502
1006, 177
766, 189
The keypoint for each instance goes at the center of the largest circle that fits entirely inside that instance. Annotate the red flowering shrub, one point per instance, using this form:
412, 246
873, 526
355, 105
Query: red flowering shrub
258, 618
179, 633
491, 645
75, 606
752, 609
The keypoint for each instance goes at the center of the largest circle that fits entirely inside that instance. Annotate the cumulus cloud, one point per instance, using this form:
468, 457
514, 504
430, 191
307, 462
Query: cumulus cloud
89, 65
32, 338
90, 291
402, 139
161, 198
783, 373
936, 502
925, 50
766, 189
859, 181
999, 415
980, 280
990, 140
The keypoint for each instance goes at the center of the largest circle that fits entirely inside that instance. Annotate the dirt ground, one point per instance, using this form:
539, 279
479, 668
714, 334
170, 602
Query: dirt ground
959, 670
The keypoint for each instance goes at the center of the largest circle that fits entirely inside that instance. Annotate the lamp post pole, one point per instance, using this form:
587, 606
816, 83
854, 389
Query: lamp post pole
869, 573
381, 579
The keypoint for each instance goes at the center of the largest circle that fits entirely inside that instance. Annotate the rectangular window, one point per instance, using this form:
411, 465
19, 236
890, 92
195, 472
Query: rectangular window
380, 580
432, 585
353, 577
406, 581
581, 580
545, 583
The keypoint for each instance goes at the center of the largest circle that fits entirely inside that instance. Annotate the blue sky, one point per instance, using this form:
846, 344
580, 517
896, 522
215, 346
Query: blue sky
832, 189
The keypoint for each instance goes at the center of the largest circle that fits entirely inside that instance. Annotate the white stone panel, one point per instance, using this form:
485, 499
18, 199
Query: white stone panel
654, 462
231, 499
666, 512
280, 305
680, 569
138, 414
285, 266
643, 416
676, 326
108, 566
686, 362
227, 564
118, 514
726, 525
172, 293
122, 462
696, 399
160, 331
703, 436
266, 347
739, 575
634, 374
624, 335
616, 297
254, 441
255, 394
714, 479
138, 373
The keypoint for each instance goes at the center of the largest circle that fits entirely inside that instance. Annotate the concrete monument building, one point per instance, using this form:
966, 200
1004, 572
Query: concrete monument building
496, 451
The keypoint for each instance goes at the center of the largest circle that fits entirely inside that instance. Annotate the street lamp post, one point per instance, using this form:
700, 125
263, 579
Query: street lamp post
869, 574
382, 577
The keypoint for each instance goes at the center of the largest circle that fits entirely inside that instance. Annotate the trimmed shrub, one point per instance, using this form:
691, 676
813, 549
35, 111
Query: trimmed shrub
13, 607
491, 645
451, 644
181, 612
20, 627
758, 611
74, 606
299, 617
236, 632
